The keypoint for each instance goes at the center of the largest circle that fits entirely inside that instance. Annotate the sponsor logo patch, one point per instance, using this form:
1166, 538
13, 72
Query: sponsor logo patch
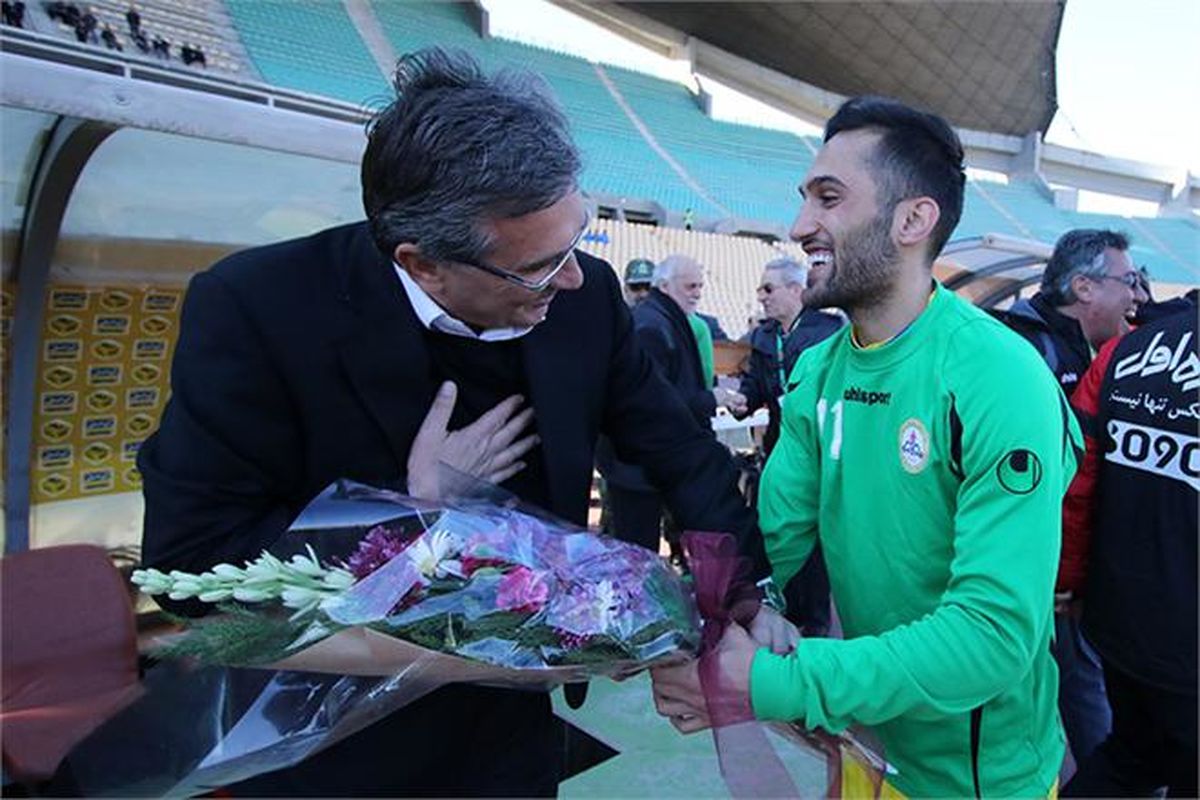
1019, 471
68, 299
97, 480
100, 400
99, 427
97, 453
54, 484
165, 302
914, 446
155, 326
141, 398
55, 430
115, 300
139, 424
150, 349
104, 374
63, 350
63, 325
107, 349
146, 373
59, 402
59, 376
111, 325
129, 450
55, 456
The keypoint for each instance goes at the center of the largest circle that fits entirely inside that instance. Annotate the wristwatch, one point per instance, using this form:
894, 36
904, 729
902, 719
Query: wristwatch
771, 595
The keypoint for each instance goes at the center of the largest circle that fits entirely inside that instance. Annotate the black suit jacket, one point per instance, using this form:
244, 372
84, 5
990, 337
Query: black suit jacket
666, 335
303, 362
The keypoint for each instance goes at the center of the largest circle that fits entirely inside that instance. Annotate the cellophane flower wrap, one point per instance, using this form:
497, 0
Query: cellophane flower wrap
369, 601
491, 584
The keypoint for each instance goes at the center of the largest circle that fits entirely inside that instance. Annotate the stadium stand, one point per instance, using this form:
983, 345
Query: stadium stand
312, 47
199, 23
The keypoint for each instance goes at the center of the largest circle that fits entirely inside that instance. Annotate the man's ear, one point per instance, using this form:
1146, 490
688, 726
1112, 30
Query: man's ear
1082, 288
426, 273
914, 220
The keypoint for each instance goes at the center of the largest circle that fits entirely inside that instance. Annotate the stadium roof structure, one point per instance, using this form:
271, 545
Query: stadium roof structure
984, 66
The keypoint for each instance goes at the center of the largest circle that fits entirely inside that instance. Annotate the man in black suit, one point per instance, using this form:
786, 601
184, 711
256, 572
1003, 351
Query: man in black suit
666, 334
375, 351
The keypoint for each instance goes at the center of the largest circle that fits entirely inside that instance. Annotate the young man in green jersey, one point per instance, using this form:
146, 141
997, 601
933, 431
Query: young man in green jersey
928, 448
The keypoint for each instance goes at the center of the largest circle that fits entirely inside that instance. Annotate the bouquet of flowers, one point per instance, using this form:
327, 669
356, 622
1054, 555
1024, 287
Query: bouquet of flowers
515, 596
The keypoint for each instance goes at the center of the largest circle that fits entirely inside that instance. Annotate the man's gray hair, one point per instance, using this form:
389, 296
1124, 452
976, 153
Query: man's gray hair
1078, 252
458, 148
791, 270
666, 269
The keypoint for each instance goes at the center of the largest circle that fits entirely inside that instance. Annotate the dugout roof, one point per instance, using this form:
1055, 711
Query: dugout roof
988, 66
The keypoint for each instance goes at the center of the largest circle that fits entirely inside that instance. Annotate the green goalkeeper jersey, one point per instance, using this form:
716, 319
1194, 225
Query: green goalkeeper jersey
932, 469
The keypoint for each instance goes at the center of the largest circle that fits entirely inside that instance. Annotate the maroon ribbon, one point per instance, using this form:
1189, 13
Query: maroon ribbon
725, 594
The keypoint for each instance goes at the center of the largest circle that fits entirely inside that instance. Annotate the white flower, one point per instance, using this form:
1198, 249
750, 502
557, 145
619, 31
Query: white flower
606, 603
428, 552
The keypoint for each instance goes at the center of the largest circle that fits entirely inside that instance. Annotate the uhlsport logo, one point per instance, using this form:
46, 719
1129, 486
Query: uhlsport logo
1019, 471
914, 445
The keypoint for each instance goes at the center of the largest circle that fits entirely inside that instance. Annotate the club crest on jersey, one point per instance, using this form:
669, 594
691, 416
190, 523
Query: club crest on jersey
914, 445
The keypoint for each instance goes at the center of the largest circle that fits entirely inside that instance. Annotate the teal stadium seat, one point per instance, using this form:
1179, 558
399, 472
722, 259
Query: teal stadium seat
310, 47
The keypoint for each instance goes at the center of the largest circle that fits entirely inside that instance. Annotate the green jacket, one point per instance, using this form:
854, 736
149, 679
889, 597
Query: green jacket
932, 469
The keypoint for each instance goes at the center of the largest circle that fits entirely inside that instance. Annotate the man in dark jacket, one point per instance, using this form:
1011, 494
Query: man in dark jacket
788, 330
375, 351
1131, 520
1089, 290
664, 332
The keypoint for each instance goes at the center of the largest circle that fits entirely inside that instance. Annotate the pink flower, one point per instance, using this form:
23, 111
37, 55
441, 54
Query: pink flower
522, 590
377, 548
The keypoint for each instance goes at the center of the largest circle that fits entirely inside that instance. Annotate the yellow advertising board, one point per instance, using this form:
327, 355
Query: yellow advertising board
102, 384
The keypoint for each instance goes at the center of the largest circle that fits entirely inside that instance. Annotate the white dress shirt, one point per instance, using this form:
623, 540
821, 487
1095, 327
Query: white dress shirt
434, 317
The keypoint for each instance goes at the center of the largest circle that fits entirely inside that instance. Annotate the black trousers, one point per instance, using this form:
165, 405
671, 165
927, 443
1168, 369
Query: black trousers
459, 741
635, 516
807, 596
1152, 744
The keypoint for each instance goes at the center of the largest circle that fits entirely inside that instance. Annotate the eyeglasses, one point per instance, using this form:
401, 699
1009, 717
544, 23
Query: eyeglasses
767, 288
1130, 279
542, 282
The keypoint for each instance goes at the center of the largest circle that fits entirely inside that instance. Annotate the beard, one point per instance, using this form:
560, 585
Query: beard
864, 268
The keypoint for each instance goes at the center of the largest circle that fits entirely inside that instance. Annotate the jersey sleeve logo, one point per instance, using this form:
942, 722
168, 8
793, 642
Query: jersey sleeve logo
914, 446
1019, 471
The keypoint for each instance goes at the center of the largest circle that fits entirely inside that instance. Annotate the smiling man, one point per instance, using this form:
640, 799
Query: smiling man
374, 351
928, 449
1090, 289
